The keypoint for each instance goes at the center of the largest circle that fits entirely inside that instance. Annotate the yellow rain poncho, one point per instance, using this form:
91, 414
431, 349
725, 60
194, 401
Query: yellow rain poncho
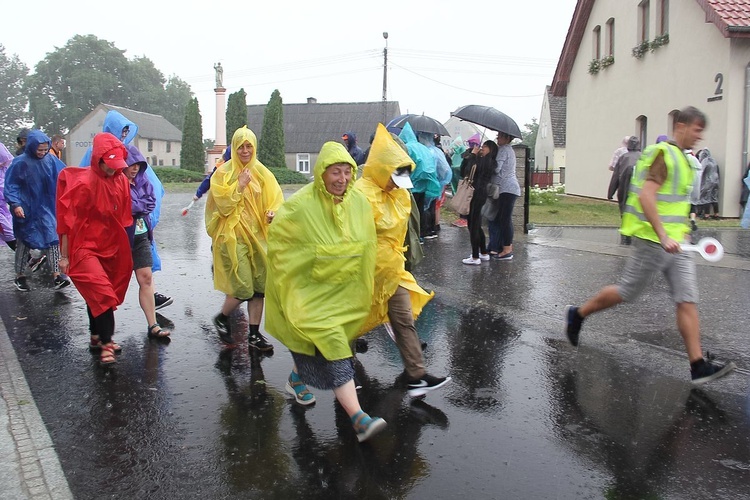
391, 210
321, 255
237, 223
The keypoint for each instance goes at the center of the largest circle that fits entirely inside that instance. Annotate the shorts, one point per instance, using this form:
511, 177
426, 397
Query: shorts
647, 259
441, 201
142, 256
256, 295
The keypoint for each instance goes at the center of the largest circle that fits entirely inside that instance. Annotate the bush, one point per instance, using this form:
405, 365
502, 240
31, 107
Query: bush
548, 196
169, 174
285, 176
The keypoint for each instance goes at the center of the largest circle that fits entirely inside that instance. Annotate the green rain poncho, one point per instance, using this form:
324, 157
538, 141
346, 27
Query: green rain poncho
321, 255
236, 221
391, 210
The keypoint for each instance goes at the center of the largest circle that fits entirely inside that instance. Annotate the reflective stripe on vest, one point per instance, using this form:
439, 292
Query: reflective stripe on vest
671, 205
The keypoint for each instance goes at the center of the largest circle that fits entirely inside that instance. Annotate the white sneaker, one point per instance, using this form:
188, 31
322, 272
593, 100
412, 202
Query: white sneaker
484, 256
471, 261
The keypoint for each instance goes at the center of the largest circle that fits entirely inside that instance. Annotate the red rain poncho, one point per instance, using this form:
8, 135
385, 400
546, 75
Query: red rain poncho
93, 210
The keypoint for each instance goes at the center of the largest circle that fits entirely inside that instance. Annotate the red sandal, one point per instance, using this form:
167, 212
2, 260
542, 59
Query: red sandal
95, 345
107, 355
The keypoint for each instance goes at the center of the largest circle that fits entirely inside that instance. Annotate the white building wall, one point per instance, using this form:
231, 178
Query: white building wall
603, 108
80, 139
544, 149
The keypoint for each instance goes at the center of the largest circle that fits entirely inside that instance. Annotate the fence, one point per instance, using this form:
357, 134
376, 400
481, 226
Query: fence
547, 178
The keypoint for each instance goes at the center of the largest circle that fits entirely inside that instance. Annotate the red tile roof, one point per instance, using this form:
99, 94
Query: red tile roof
731, 17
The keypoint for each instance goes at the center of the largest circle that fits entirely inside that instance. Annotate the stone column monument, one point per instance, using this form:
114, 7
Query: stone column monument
220, 143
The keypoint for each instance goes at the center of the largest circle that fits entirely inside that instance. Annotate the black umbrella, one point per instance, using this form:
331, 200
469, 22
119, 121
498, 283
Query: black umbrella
488, 117
419, 123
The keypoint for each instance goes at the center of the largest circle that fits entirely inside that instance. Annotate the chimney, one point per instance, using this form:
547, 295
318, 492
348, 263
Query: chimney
312, 100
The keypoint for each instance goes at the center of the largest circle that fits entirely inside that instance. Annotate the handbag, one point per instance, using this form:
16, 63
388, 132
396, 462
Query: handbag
461, 201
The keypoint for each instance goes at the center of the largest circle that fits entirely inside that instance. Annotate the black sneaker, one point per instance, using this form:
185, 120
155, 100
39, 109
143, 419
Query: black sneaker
259, 342
161, 300
225, 331
431, 236
573, 322
21, 284
35, 264
693, 225
60, 282
427, 383
705, 370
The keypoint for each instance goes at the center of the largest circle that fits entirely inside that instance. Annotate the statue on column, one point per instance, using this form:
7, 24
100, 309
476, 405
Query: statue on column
219, 75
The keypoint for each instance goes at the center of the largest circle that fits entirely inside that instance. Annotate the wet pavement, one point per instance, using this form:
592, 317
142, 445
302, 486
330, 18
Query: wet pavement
526, 416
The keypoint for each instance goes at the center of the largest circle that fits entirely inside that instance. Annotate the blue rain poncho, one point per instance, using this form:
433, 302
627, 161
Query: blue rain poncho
114, 123
321, 255
443, 170
424, 176
31, 183
237, 221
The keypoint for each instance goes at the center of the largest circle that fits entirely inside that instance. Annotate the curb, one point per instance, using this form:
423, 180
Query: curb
30, 467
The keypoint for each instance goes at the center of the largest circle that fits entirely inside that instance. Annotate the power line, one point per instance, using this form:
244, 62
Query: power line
464, 89
304, 78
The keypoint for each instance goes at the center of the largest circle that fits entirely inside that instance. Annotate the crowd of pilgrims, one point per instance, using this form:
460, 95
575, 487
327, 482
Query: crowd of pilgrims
325, 266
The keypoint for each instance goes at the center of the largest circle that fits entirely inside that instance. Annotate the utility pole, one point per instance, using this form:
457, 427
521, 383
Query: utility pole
385, 76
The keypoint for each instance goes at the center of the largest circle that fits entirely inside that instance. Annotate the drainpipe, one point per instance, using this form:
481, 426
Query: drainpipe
745, 119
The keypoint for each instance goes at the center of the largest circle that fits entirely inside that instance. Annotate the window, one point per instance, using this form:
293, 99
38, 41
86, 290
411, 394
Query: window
169, 147
643, 20
641, 125
597, 39
174, 164
662, 21
150, 145
303, 163
153, 161
161, 163
611, 36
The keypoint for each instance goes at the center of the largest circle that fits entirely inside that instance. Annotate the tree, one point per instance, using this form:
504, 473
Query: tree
12, 97
236, 113
528, 136
271, 147
71, 81
208, 144
143, 86
192, 155
177, 95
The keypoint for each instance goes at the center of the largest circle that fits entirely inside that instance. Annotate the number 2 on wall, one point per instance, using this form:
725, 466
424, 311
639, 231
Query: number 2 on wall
719, 79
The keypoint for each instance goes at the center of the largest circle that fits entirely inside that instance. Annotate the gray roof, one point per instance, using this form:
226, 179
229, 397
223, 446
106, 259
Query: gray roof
558, 112
307, 126
150, 126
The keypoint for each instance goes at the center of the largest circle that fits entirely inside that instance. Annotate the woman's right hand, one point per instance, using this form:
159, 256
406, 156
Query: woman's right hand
244, 178
475, 150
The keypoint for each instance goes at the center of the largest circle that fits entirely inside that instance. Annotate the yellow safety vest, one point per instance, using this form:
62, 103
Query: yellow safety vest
672, 198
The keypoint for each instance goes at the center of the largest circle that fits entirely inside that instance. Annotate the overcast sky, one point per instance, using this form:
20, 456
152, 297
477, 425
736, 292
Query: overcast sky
441, 54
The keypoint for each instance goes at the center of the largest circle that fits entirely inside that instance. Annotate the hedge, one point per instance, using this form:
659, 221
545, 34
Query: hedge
285, 176
170, 174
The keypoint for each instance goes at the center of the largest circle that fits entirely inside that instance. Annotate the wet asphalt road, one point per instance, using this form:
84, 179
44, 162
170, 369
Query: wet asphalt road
526, 416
